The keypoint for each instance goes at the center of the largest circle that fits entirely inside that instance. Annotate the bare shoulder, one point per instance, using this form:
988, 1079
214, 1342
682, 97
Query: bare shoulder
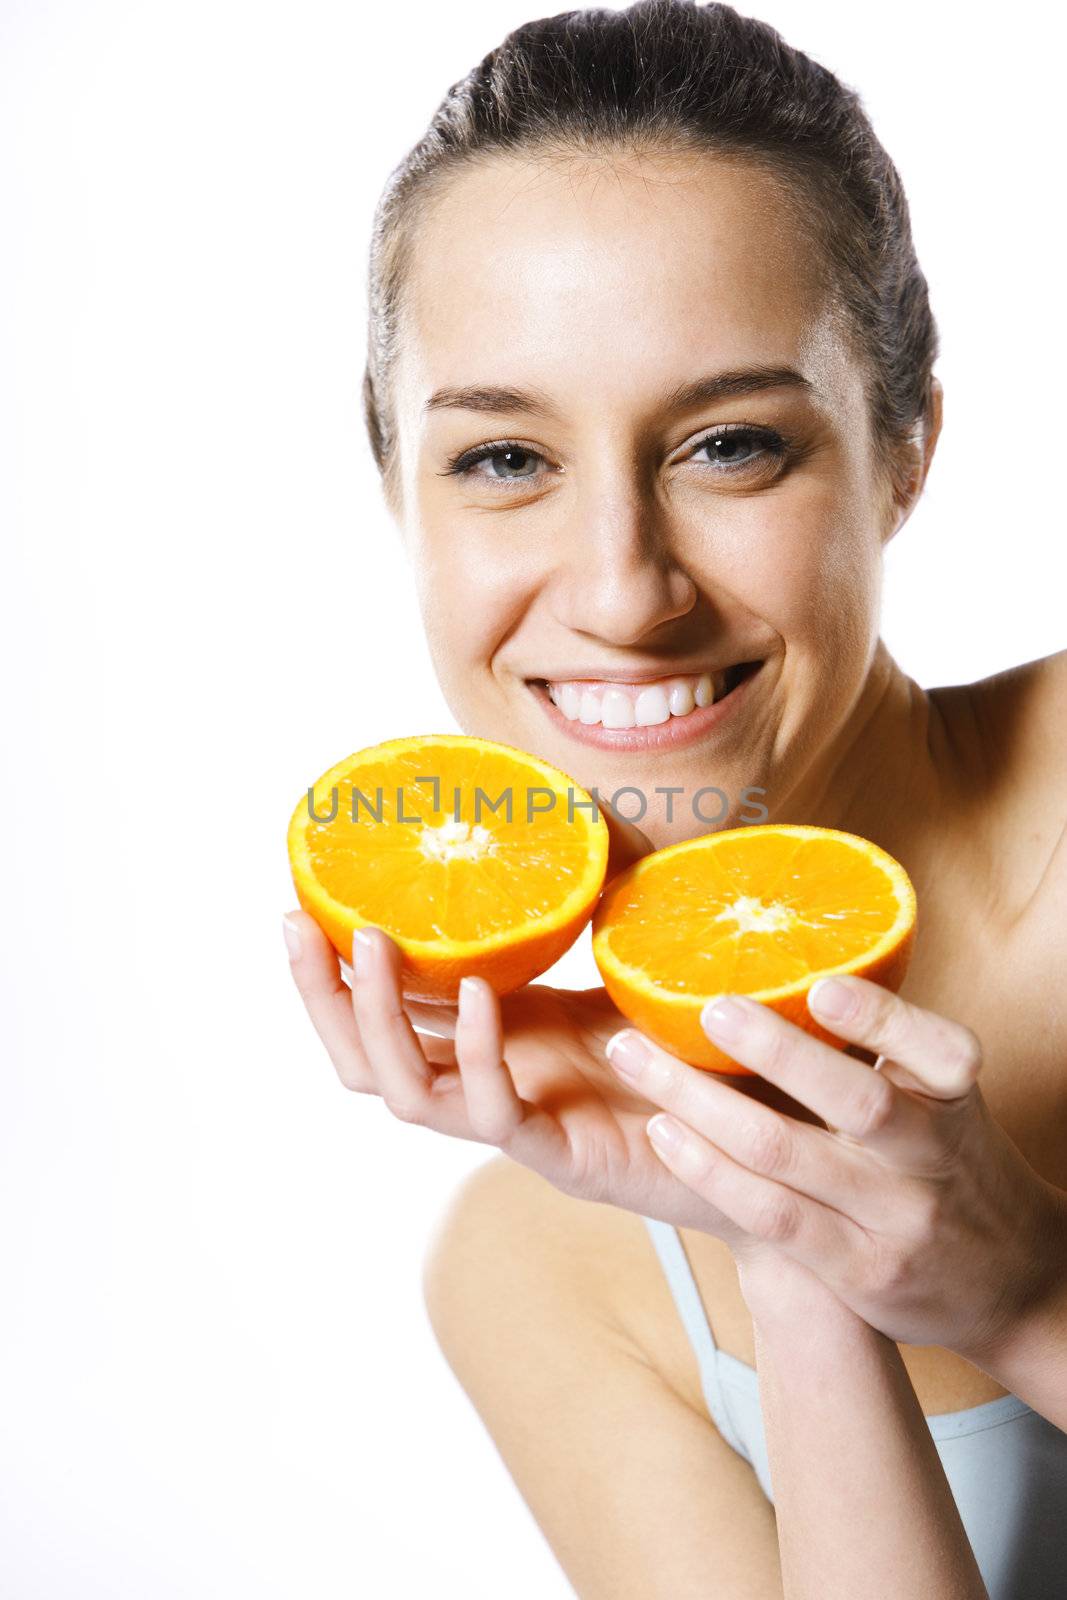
537, 1301
1009, 733
507, 1228
508, 1231
1021, 714
503, 1210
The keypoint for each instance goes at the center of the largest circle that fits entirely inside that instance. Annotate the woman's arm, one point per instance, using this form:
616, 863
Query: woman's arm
912, 1204
1029, 1357
861, 1498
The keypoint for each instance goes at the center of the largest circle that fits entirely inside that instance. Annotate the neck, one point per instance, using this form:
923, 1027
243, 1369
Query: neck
886, 773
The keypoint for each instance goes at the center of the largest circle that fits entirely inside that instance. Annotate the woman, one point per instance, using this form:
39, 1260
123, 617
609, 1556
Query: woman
650, 389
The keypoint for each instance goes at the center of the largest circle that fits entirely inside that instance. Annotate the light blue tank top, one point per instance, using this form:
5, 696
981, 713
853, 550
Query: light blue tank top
1005, 1463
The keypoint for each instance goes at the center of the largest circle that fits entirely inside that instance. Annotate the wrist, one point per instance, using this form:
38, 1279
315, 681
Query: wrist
779, 1291
1035, 1311
802, 1330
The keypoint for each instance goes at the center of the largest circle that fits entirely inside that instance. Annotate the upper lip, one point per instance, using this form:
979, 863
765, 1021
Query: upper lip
637, 675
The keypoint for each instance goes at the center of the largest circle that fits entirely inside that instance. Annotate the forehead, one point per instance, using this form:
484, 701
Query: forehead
621, 270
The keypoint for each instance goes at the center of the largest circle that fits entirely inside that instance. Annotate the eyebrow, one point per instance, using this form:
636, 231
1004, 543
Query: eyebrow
714, 386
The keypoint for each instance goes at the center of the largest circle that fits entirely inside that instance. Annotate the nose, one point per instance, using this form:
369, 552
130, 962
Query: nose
619, 579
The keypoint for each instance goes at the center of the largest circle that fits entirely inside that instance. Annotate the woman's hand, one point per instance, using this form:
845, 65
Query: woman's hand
527, 1073
912, 1204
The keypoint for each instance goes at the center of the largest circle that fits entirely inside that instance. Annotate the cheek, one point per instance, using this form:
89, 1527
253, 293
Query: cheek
830, 601
817, 579
467, 599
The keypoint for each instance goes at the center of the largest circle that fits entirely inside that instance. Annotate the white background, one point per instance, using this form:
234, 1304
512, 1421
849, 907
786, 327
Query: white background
219, 1378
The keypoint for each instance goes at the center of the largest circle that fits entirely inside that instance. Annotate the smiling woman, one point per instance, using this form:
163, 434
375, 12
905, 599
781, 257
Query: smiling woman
650, 389
741, 430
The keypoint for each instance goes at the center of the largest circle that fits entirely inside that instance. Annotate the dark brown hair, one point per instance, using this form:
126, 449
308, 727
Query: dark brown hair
673, 75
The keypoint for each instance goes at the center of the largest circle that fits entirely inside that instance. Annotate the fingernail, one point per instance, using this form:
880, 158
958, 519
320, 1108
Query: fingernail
665, 1132
628, 1053
832, 999
361, 940
291, 934
468, 987
723, 1018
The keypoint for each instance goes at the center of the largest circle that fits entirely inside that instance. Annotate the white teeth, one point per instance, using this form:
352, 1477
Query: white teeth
651, 707
681, 700
636, 705
589, 707
569, 702
616, 709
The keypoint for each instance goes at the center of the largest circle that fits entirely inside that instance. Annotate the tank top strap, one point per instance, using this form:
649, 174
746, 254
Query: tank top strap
683, 1285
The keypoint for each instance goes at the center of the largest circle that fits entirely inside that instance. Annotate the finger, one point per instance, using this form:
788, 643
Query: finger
626, 842
314, 965
802, 1157
849, 1097
822, 1239
493, 1106
940, 1057
406, 1081
431, 1021
401, 1071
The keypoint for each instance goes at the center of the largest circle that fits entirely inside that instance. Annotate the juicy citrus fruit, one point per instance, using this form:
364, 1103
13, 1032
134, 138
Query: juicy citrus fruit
761, 910
475, 858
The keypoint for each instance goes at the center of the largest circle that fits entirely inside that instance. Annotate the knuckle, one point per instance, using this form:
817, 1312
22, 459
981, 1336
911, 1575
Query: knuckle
391, 1013
887, 1013
874, 1107
891, 1271
354, 1077
589, 1176
768, 1148
485, 1129
491, 1123
963, 1057
404, 1110
925, 1217
493, 1130
777, 1217
891, 1022
703, 1173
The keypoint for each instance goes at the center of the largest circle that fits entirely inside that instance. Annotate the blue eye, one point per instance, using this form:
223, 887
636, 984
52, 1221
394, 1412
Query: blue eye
514, 457
733, 447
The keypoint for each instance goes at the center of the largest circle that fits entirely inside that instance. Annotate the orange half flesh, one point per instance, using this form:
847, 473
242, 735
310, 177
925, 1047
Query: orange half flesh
762, 910
461, 886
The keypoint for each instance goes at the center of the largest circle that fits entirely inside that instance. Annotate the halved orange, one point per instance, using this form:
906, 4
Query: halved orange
761, 910
418, 837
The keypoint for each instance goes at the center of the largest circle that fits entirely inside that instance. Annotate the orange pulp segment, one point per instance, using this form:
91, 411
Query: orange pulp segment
761, 910
463, 885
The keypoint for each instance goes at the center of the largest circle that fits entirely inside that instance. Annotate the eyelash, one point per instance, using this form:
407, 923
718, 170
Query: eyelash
772, 443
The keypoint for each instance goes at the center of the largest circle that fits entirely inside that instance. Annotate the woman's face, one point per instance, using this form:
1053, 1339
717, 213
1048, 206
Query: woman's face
680, 479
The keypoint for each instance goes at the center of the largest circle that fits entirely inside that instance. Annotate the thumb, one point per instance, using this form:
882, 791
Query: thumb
626, 842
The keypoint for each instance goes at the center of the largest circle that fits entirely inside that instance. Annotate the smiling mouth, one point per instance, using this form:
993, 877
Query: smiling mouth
600, 702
